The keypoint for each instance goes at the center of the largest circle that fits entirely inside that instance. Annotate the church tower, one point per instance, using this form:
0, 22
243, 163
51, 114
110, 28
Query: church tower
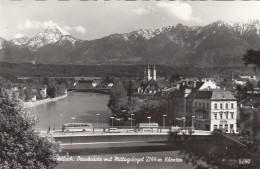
154, 73
149, 77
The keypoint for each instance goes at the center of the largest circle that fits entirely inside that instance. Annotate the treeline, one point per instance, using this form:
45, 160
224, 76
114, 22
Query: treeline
123, 104
28, 88
40, 70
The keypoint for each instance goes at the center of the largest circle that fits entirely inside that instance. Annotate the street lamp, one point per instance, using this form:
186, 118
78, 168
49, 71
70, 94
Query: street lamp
164, 116
183, 118
192, 118
112, 120
149, 118
73, 118
97, 119
61, 120
132, 121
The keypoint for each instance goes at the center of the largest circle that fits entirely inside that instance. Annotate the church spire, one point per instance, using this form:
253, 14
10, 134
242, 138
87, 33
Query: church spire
154, 72
149, 77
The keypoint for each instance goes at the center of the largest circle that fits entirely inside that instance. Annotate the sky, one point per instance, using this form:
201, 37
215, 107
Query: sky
90, 20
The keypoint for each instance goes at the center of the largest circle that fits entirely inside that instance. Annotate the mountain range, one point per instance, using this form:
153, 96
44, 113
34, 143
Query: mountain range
214, 45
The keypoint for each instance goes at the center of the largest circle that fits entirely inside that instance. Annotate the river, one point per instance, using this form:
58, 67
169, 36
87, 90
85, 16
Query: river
83, 106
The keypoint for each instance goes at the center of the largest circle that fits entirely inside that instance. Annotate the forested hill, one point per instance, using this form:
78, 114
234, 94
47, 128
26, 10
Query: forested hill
134, 71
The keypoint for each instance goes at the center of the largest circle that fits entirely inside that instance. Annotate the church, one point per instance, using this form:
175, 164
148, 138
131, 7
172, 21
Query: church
149, 84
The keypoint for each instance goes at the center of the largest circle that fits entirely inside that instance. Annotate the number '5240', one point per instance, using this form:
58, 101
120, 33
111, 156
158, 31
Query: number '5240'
244, 161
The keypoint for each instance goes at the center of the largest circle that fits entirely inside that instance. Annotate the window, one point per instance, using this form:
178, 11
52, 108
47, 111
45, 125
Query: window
221, 106
215, 115
208, 105
203, 105
199, 104
232, 115
195, 104
221, 115
226, 105
232, 105
226, 127
231, 127
215, 126
216, 106
227, 115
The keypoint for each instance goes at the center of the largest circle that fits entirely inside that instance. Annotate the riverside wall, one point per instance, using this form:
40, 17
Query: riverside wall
109, 138
38, 102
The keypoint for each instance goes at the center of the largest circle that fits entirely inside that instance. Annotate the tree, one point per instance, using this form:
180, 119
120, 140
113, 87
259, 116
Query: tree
216, 153
249, 85
51, 92
252, 57
174, 78
118, 100
61, 88
20, 146
28, 94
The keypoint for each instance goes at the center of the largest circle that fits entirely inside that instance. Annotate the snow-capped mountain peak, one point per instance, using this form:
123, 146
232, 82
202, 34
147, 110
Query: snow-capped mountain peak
20, 41
145, 33
49, 35
56, 28
248, 27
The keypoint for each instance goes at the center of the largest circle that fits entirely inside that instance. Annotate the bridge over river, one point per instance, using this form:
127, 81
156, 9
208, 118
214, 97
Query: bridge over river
94, 90
125, 135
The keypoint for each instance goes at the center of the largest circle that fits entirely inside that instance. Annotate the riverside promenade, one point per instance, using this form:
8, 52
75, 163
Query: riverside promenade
47, 100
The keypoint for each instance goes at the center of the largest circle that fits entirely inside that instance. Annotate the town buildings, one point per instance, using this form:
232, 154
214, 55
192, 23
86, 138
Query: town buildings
215, 109
179, 102
203, 105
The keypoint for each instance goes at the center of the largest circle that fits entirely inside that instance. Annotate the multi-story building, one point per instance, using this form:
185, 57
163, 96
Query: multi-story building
214, 109
179, 102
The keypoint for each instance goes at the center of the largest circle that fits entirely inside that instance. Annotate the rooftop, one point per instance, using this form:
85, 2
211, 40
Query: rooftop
214, 94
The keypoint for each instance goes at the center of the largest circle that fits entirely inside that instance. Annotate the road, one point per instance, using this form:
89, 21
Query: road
98, 131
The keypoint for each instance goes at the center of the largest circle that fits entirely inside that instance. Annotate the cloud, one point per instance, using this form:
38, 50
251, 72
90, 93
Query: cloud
66, 27
181, 10
140, 11
29, 25
79, 29
18, 35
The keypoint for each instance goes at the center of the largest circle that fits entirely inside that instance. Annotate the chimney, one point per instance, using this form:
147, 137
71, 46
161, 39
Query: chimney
208, 87
178, 86
194, 84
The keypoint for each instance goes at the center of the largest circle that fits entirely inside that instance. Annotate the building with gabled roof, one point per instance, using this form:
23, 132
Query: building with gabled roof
215, 109
179, 102
149, 84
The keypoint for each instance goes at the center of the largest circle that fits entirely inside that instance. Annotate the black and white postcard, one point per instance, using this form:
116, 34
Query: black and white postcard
129, 84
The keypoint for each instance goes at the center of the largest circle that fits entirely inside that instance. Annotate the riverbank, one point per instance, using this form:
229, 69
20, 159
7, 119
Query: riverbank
39, 102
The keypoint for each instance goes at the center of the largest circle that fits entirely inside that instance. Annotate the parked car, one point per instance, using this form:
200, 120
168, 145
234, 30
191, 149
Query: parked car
113, 130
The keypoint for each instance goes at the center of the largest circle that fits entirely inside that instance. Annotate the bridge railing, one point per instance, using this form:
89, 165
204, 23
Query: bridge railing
125, 129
